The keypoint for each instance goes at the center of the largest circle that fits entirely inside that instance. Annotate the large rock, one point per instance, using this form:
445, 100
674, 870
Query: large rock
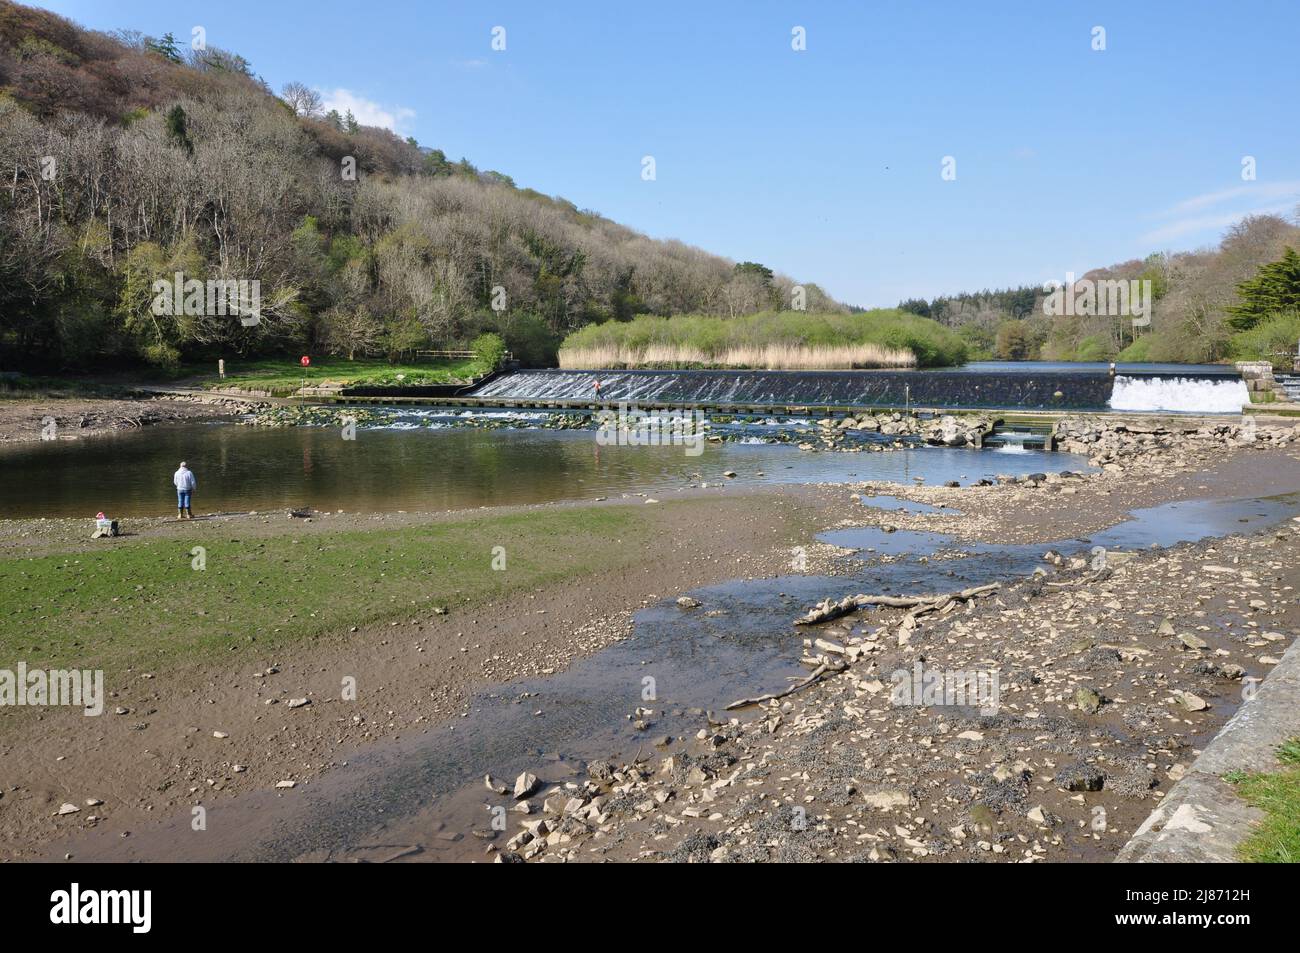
525, 785
1088, 700
887, 800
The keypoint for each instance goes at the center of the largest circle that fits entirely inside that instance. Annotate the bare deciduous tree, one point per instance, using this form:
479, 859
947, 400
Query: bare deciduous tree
302, 99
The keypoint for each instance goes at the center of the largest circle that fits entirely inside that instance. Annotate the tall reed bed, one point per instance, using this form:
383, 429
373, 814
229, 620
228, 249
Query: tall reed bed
773, 340
766, 357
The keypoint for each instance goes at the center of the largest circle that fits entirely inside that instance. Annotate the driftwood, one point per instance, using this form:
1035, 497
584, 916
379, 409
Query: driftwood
920, 605
828, 610
815, 675
1096, 575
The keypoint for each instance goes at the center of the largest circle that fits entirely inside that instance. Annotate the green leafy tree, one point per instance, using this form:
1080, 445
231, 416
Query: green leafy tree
1091, 348
148, 313
1273, 339
436, 164
1021, 301
1156, 272
762, 272
530, 339
1275, 289
1013, 341
312, 266
624, 301
979, 340
489, 351
403, 336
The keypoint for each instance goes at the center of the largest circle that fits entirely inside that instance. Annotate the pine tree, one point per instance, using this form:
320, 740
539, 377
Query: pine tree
350, 122
165, 47
178, 129
1274, 289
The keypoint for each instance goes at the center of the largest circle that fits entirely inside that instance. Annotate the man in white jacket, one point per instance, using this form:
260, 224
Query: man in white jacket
185, 483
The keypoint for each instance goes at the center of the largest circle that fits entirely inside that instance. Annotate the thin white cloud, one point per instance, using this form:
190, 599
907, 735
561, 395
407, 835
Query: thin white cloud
366, 111
1204, 223
1194, 215
1255, 190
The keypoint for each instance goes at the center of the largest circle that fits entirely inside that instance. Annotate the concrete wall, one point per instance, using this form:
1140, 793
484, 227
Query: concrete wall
1258, 376
1201, 819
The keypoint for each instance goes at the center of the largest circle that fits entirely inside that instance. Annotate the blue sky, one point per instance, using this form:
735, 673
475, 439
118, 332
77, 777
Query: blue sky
824, 164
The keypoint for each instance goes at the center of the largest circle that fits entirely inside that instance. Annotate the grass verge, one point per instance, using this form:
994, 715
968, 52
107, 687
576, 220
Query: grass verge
1277, 794
282, 378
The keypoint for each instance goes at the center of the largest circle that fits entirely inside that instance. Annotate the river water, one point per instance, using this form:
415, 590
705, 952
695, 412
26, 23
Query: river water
420, 462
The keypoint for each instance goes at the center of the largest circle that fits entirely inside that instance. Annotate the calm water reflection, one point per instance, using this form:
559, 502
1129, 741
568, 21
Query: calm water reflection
243, 468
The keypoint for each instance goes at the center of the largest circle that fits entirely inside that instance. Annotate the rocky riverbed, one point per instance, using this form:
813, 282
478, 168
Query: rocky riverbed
1089, 688
72, 418
850, 434
1162, 444
1068, 700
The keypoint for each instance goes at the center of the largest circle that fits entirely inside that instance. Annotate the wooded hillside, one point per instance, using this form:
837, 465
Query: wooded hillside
126, 159
1234, 301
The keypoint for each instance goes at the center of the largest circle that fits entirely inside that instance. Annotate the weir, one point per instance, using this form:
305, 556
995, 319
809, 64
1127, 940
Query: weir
987, 386
1027, 387
952, 388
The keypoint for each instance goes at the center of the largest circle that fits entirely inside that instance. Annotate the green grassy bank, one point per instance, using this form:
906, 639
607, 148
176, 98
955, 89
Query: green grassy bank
143, 605
281, 378
1277, 794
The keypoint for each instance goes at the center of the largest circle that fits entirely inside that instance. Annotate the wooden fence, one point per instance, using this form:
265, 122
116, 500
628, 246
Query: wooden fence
437, 355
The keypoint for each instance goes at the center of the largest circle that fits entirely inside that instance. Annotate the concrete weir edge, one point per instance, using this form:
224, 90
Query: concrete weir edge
1202, 819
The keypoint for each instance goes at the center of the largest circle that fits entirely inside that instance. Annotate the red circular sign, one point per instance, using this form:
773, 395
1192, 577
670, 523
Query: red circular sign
304, 360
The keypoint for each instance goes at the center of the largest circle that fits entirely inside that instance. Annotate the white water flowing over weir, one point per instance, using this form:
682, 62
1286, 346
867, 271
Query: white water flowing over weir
1192, 395
994, 385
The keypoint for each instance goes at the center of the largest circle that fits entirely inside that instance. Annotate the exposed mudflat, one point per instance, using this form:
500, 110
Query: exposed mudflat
415, 672
73, 418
